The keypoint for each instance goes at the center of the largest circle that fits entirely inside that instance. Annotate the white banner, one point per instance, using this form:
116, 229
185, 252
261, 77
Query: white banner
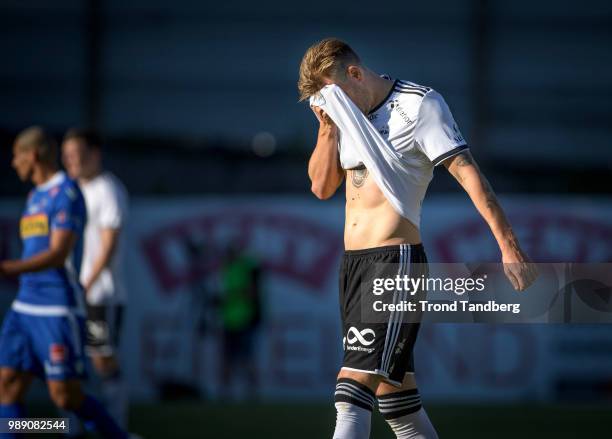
173, 253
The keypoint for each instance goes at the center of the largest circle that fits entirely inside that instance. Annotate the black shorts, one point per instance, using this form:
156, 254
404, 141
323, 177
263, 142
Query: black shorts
103, 329
383, 347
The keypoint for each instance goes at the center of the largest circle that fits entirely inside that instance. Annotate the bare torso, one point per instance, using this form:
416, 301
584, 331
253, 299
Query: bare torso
371, 221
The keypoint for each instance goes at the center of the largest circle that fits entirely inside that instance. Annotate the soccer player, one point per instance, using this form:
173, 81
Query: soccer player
106, 201
43, 332
416, 121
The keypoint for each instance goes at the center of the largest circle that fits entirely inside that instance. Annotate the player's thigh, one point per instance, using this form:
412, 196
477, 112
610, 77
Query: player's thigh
13, 384
104, 364
367, 379
16, 350
408, 383
59, 346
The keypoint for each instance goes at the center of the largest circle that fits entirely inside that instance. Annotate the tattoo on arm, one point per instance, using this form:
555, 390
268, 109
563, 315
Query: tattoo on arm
492, 203
358, 177
464, 159
460, 161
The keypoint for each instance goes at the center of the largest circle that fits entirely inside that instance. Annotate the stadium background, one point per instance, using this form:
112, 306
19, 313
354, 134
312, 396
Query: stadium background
198, 106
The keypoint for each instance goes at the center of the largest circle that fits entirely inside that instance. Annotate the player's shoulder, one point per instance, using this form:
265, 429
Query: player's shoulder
411, 89
425, 98
70, 187
109, 185
69, 190
410, 94
423, 92
112, 180
57, 186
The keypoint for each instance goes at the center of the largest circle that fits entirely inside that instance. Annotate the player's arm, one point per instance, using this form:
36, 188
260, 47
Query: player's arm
516, 263
62, 242
324, 168
108, 243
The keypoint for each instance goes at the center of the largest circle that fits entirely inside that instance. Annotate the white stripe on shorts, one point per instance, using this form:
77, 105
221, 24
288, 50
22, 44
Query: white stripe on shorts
396, 317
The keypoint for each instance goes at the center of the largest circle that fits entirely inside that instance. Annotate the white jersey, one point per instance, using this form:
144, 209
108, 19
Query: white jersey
409, 132
418, 123
107, 202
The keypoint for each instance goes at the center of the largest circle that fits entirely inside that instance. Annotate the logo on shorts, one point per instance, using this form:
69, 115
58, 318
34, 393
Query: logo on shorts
360, 336
57, 353
365, 337
400, 347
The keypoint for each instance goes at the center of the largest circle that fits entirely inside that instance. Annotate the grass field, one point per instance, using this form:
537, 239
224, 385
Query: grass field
314, 421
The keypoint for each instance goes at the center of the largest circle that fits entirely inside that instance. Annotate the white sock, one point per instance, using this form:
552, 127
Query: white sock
406, 416
354, 403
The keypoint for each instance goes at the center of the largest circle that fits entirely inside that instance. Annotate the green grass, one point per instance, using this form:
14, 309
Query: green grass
314, 421
307, 421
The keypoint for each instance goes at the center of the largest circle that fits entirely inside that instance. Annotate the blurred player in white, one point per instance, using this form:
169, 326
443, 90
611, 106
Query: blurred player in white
107, 202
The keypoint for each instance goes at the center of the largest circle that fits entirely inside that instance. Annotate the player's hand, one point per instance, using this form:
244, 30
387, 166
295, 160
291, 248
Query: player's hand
519, 269
86, 288
325, 122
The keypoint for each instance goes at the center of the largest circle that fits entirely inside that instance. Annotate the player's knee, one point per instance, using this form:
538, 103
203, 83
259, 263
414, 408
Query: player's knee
66, 397
105, 365
5, 385
8, 394
9, 387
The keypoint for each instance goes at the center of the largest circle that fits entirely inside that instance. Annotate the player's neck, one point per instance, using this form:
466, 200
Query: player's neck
380, 90
87, 178
43, 173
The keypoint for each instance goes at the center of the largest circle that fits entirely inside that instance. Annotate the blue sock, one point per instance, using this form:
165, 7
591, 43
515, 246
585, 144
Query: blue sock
15, 410
91, 411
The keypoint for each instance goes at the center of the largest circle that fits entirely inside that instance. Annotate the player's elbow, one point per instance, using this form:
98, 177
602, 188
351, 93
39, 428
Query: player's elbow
321, 191
57, 259
57, 263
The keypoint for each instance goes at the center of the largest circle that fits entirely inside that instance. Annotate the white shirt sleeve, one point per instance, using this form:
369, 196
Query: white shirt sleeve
436, 132
113, 210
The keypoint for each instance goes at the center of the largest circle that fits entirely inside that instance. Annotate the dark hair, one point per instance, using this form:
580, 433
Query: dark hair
39, 140
90, 138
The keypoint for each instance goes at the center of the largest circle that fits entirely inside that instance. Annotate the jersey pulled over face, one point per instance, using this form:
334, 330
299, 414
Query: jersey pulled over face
56, 204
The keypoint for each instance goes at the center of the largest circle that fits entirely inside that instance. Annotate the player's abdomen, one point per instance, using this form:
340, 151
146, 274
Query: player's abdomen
370, 219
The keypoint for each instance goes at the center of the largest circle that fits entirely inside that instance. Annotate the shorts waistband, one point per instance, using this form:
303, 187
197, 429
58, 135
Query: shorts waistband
383, 249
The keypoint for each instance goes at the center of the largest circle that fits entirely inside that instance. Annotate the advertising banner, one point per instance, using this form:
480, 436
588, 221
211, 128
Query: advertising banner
175, 332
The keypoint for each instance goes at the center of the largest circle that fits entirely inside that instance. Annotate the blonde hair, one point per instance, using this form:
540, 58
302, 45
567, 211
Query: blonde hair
327, 58
35, 138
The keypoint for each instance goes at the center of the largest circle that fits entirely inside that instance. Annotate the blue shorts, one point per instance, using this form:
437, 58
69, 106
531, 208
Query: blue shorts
48, 346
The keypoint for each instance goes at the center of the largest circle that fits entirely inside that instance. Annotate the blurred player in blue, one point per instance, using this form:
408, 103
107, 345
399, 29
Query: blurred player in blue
43, 333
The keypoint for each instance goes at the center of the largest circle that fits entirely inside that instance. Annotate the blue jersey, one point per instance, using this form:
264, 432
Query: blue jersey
56, 204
